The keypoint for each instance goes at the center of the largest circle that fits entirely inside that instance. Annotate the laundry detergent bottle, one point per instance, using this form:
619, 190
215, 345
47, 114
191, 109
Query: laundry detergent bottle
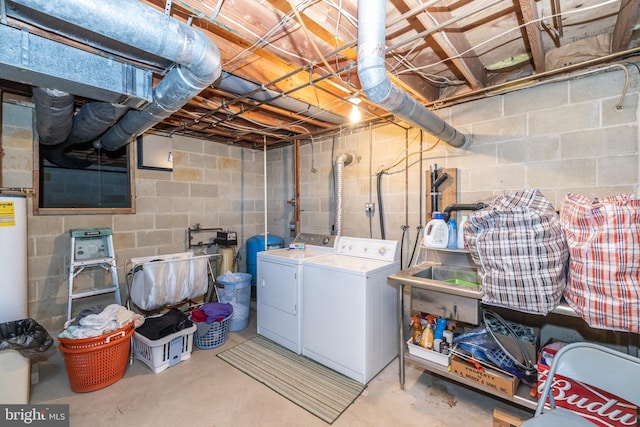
436, 234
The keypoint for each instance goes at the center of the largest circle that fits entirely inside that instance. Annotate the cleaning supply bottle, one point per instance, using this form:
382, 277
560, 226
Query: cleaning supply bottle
417, 330
441, 326
462, 244
436, 233
453, 234
426, 340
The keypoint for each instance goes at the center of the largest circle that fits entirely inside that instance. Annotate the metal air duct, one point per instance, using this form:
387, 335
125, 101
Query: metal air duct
132, 23
376, 83
341, 161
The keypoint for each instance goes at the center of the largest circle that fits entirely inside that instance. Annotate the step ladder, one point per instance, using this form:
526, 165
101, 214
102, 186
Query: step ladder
92, 248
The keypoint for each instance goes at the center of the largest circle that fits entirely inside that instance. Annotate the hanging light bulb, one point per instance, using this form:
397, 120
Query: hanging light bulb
355, 114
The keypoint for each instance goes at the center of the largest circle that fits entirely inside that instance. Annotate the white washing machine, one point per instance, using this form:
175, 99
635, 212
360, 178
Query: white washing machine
279, 288
350, 311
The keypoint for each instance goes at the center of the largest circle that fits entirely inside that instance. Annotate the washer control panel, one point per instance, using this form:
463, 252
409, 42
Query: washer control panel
320, 240
383, 250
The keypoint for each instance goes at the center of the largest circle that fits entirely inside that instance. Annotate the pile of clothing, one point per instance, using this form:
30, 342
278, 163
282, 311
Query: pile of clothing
210, 313
97, 321
168, 323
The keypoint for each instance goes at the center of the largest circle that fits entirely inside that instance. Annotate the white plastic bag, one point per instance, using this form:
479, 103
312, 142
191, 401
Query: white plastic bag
168, 279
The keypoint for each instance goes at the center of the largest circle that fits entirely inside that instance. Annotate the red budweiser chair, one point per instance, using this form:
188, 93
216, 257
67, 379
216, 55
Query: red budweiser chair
593, 364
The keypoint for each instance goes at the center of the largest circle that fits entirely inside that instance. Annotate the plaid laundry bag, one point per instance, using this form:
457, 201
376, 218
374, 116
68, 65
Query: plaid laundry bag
521, 251
603, 235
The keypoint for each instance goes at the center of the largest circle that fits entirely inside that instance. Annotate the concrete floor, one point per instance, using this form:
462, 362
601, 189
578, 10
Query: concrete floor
206, 391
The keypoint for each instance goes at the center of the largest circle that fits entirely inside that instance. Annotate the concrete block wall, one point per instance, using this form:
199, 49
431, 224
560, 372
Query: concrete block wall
214, 185
560, 137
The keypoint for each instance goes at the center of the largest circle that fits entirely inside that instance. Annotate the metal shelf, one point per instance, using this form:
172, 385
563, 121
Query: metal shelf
521, 398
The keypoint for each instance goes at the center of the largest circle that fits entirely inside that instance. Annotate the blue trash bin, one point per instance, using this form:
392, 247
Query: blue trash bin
235, 289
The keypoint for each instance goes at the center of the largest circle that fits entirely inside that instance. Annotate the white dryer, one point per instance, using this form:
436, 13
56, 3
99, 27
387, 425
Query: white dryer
350, 311
279, 288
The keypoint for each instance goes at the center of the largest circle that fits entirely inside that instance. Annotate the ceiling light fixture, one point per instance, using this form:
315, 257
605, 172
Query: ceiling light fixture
355, 114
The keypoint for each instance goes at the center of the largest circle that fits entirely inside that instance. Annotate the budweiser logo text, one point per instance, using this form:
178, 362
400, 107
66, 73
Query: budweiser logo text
593, 404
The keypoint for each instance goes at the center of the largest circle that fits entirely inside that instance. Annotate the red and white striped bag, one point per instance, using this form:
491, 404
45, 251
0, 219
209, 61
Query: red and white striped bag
603, 235
519, 246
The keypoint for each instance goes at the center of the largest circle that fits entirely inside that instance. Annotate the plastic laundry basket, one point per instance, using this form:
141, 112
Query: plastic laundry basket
97, 362
236, 290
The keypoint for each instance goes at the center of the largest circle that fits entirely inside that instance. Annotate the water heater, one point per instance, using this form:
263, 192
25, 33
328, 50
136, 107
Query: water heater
13, 257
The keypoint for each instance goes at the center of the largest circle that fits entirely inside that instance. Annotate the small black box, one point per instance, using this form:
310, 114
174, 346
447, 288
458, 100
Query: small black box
226, 238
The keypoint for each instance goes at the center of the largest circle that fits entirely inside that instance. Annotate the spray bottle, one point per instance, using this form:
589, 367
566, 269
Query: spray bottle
416, 324
426, 340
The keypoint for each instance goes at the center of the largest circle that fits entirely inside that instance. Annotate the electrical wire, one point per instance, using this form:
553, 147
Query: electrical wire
516, 28
313, 156
314, 45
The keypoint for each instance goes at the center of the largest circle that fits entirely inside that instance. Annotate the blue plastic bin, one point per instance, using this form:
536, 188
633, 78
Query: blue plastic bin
235, 289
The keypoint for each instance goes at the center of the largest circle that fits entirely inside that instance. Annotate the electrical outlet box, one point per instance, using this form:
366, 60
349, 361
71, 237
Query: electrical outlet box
370, 208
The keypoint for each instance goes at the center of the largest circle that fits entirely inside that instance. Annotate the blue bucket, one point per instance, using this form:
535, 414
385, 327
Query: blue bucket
256, 244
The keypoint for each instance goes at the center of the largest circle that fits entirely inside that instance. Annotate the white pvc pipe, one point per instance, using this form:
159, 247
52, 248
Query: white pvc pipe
266, 232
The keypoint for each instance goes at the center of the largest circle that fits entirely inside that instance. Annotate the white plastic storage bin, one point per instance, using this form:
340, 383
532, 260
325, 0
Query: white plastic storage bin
15, 378
164, 352
430, 355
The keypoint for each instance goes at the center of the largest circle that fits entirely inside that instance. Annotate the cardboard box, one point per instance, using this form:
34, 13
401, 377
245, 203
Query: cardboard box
597, 406
487, 378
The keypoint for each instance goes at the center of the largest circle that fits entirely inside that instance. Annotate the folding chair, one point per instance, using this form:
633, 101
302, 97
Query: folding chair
593, 364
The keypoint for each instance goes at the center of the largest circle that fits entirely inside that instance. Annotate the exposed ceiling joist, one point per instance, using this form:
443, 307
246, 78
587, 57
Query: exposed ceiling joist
305, 51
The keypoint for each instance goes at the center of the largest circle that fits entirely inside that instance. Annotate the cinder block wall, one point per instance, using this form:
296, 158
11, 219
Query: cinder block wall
565, 136
213, 185
558, 137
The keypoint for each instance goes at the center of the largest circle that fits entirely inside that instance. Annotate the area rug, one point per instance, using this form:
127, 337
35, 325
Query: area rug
314, 387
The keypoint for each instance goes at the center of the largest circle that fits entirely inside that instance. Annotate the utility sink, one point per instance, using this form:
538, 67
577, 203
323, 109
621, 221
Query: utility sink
450, 274
444, 283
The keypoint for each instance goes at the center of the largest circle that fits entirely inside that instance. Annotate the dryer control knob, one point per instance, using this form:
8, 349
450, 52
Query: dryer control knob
382, 250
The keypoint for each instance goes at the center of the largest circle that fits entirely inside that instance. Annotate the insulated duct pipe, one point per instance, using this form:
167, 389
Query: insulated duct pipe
58, 128
342, 161
92, 120
240, 86
54, 113
135, 24
378, 86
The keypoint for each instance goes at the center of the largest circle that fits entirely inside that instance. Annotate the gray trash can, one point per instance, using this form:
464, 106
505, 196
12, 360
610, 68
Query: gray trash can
235, 289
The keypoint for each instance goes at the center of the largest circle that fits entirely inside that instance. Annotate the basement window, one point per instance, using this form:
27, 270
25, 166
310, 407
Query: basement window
104, 186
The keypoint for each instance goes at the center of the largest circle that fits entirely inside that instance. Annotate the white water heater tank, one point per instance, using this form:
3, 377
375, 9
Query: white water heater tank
13, 257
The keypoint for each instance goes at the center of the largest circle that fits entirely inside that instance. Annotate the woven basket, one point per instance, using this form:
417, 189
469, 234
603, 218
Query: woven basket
215, 336
97, 362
